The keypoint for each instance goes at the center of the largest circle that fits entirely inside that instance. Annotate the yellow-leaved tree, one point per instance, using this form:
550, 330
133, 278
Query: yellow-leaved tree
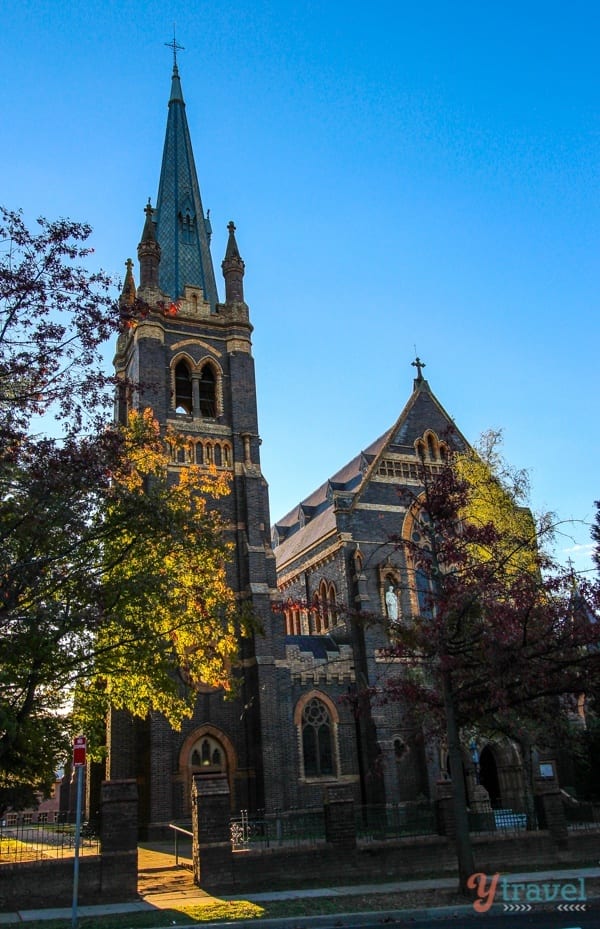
168, 622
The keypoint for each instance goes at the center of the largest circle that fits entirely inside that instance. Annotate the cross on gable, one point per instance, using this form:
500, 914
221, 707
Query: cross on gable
418, 364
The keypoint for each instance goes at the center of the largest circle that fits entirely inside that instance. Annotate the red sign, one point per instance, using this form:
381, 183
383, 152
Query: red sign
79, 749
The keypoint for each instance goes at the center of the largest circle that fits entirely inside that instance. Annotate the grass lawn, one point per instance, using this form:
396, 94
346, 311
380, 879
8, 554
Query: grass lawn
245, 910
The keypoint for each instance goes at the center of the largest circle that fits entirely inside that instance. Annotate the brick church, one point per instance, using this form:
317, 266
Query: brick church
289, 733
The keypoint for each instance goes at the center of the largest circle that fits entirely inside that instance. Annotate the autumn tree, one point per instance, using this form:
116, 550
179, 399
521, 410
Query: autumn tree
596, 536
112, 576
497, 639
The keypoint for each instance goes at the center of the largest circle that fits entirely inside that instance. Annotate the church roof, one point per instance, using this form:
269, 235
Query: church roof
314, 518
319, 646
182, 230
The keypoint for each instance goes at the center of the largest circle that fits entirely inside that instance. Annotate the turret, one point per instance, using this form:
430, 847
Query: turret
149, 251
128, 294
233, 270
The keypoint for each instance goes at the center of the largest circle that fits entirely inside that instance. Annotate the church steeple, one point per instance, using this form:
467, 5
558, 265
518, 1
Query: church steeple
181, 228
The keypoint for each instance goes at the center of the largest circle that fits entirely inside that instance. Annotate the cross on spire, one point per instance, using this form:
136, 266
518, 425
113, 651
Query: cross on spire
175, 46
418, 364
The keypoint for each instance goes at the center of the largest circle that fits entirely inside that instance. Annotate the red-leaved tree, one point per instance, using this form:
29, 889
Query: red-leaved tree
503, 640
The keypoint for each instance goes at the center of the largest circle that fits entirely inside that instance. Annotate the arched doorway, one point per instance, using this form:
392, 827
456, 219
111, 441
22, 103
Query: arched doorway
207, 751
488, 776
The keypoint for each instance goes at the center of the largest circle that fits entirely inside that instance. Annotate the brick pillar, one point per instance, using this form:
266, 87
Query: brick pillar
550, 808
118, 838
444, 806
211, 849
340, 825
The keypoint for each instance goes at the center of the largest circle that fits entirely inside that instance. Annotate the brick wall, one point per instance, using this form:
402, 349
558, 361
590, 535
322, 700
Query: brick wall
286, 868
110, 876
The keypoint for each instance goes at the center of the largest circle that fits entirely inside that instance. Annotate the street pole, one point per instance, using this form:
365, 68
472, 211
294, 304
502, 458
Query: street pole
79, 778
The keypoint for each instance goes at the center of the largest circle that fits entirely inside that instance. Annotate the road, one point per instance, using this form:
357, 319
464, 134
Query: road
538, 919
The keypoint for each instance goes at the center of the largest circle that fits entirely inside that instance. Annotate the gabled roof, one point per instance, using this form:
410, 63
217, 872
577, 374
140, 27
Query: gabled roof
314, 517
182, 230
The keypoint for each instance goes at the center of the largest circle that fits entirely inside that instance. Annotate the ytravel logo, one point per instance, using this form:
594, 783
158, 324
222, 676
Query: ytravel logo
565, 895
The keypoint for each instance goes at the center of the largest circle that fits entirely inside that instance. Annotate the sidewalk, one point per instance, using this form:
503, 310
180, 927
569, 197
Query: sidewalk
165, 887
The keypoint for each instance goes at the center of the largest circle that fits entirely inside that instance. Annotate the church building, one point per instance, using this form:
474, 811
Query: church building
292, 729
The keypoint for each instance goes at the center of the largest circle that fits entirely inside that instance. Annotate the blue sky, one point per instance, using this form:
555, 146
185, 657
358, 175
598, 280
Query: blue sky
401, 175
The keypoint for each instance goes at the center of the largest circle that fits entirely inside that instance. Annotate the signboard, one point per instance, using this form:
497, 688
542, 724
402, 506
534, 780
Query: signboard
79, 750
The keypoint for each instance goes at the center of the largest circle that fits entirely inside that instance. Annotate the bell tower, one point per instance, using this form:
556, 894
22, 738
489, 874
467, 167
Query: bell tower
189, 357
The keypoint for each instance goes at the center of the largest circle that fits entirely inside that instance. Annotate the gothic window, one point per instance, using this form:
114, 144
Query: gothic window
331, 606
183, 388
431, 446
423, 589
316, 615
317, 740
416, 532
208, 755
208, 398
218, 457
187, 223
226, 456
199, 454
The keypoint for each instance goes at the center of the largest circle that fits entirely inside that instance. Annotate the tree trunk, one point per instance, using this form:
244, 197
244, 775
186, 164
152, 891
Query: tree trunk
464, 850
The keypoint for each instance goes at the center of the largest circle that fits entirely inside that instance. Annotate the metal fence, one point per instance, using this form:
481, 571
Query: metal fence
393, 821
581, 815
292, 828
23, 840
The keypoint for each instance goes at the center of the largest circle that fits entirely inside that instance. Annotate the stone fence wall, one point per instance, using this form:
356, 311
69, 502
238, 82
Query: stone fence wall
109, 876
340, 860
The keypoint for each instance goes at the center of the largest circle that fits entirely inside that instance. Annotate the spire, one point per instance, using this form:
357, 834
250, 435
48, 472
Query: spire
182, 230
233, 270
128, 293
149, 251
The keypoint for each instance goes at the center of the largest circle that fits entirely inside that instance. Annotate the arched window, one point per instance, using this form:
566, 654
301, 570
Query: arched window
208, 399
317, 616
431, 446
207, 755
323, 606
183, 388
331, 606
417, 535
423, 587
317, 740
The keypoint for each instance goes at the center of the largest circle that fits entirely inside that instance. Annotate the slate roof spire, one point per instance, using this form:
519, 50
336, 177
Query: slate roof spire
182, 230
